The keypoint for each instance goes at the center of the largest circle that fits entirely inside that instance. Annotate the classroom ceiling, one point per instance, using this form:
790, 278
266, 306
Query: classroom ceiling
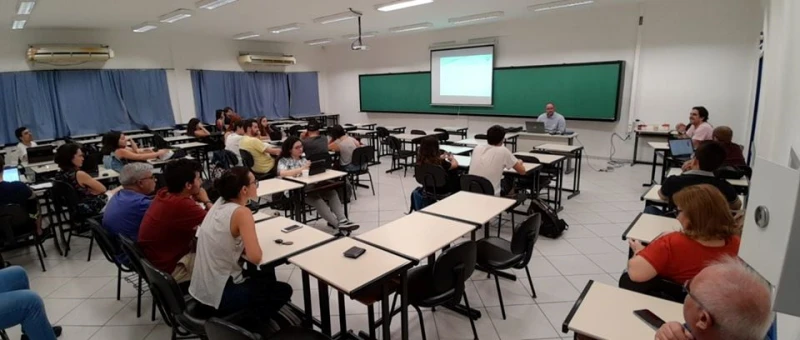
259, 15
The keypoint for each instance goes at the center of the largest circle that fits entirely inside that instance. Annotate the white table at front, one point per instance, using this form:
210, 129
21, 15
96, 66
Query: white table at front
273, 186
321, 177
606, 312
352, 277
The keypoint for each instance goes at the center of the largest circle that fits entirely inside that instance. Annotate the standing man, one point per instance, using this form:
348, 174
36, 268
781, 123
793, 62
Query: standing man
25, 138
553, 121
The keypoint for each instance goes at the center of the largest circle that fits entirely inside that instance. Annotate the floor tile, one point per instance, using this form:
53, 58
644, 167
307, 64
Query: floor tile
80, 287
574, 264
556, 313
552, 289
451, 325
513, 293
127, 316
611, 263
93, 312
579, 281
79, 332
122, 332
522, 322
550, 247
589, 246
46, 285
538, 267
578, 231
58, 308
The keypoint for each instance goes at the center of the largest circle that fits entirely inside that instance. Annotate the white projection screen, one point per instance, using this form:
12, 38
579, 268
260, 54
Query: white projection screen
462, 76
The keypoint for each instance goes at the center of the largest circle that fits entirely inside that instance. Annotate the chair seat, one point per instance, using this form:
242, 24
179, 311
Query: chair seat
420, 290
195, 316
495, 252
406, 153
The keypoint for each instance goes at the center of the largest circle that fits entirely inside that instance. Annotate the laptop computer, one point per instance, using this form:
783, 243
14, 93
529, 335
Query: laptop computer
11, 174
681, 148
40, 154
318, 166
535, 127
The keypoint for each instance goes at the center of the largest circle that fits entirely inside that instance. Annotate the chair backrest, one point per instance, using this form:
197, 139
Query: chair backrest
294, 130
476, 184
13, 217
165, 290
525, 236
134, 254
430, 176
453, 267
363, 155
225, 159
108, 245
160, 143
218, 329
481, 136
247, 158
394, 143
65, 198
382, 132
418, 132
443, 135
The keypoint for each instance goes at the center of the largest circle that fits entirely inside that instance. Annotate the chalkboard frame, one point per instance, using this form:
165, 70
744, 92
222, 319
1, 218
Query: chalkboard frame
620, 87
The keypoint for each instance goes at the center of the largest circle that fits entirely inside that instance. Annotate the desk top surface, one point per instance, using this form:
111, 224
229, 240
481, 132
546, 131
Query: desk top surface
276, 185
651, 132
647, 227
544, 158
408, 136
270, 230
455, 149
327, 175
606, 312
471, 142
191, 145
652, 194
327, 263
392, 127
559, 147
363, 132
402, 236
465, 161
178, 138
547, 135
140, 135
659, 145
470, 207
741, 182
453, 128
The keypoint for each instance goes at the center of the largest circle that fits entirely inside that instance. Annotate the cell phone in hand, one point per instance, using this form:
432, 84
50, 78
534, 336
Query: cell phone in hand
354, 252
650, 318
292, 228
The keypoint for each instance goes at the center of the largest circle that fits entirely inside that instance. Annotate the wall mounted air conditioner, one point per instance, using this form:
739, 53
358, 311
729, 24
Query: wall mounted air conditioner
68, 54
269, 60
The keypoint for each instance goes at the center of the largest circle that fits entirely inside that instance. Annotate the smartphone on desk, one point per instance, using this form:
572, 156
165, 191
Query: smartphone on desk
354, 252
650, 318
292, 228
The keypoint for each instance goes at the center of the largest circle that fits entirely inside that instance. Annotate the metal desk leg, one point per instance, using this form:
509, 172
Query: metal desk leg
653, 170
635, 149
371, 321
576, 180
569, 161
403, 307
387, 334
560, 186
342, 314
324, 308
307, 323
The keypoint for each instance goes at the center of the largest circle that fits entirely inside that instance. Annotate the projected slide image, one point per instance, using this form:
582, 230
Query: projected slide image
468, 76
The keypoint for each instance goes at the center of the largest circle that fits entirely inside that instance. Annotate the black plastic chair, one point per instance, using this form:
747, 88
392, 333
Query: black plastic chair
481, 136
399, 154
433, 179
183, 312
418, 132
17, 228
136, 257
443, 284
443, 135
361, 158
66, 200
382, 133
496, 254
219, 329
294, 130
111, 250
297, 333
249, 162
546, 174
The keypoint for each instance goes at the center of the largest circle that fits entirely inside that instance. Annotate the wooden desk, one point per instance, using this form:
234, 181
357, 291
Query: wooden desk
464, 163
402, 236
555, 162
397, 129
456, 150
646, 227
192, 145
657, 147
350, 276
456, 130
276, 185
259, 216
469, 207
471, 142
606, 312
573, 151
407, 137
302, 239
366, 126
321, 177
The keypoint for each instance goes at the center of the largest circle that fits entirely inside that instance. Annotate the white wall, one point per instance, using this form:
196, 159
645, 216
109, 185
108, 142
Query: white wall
679, 67
176, 52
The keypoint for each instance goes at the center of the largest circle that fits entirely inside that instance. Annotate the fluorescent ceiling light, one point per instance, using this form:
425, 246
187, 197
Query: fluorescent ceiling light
336, 17
25, 7
558, 5
476, 17
175, 16
246, 35
363, 35
400, 4
284, 28
408, 28
213, 4
144, 27
19, 23
319, 42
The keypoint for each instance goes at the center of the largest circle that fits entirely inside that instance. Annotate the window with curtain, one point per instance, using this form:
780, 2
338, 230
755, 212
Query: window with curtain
304, 94
55, 104
251, 94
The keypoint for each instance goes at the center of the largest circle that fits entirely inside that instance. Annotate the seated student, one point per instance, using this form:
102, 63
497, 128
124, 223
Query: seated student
292, 164
708, 234
264, 130
19, 193
489, 161
195, 128
227, 234
699, 128
553, 121
429, 153
19, 305
117, 152
166, 235
733, 152
707, 158
262, 153
233, 139
25, 138
313, 142
727, 301
220, 122
344, 145
125, 210
91, 193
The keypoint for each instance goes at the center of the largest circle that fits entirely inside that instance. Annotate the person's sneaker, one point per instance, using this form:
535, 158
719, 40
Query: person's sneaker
56, 330
348, 226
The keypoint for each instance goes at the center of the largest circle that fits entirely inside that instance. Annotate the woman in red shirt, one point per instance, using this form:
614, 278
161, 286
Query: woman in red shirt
709, 233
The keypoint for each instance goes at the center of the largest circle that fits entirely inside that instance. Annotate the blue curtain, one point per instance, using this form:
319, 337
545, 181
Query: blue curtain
55, 104
304, 91
251, 94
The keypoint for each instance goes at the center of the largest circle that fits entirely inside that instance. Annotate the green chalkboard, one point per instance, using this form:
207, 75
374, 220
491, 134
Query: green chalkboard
590, 91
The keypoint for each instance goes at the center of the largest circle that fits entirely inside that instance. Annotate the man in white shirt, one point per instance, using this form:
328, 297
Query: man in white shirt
489, 161
25, 141
233, 139
552, 120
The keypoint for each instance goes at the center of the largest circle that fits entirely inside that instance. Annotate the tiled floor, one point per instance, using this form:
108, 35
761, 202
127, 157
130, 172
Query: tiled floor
80, 295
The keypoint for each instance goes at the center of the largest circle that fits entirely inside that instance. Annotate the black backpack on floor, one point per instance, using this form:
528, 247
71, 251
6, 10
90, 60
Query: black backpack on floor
552, 226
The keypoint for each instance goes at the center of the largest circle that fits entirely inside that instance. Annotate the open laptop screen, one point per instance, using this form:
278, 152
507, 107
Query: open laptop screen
681, 147
11, 174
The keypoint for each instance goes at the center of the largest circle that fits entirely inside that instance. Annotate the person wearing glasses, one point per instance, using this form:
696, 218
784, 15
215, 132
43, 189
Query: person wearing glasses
125, 210
227, 235
725, 301
709, 233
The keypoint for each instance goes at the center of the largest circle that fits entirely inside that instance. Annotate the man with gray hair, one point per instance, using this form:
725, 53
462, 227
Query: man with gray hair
725, 301
125, 210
